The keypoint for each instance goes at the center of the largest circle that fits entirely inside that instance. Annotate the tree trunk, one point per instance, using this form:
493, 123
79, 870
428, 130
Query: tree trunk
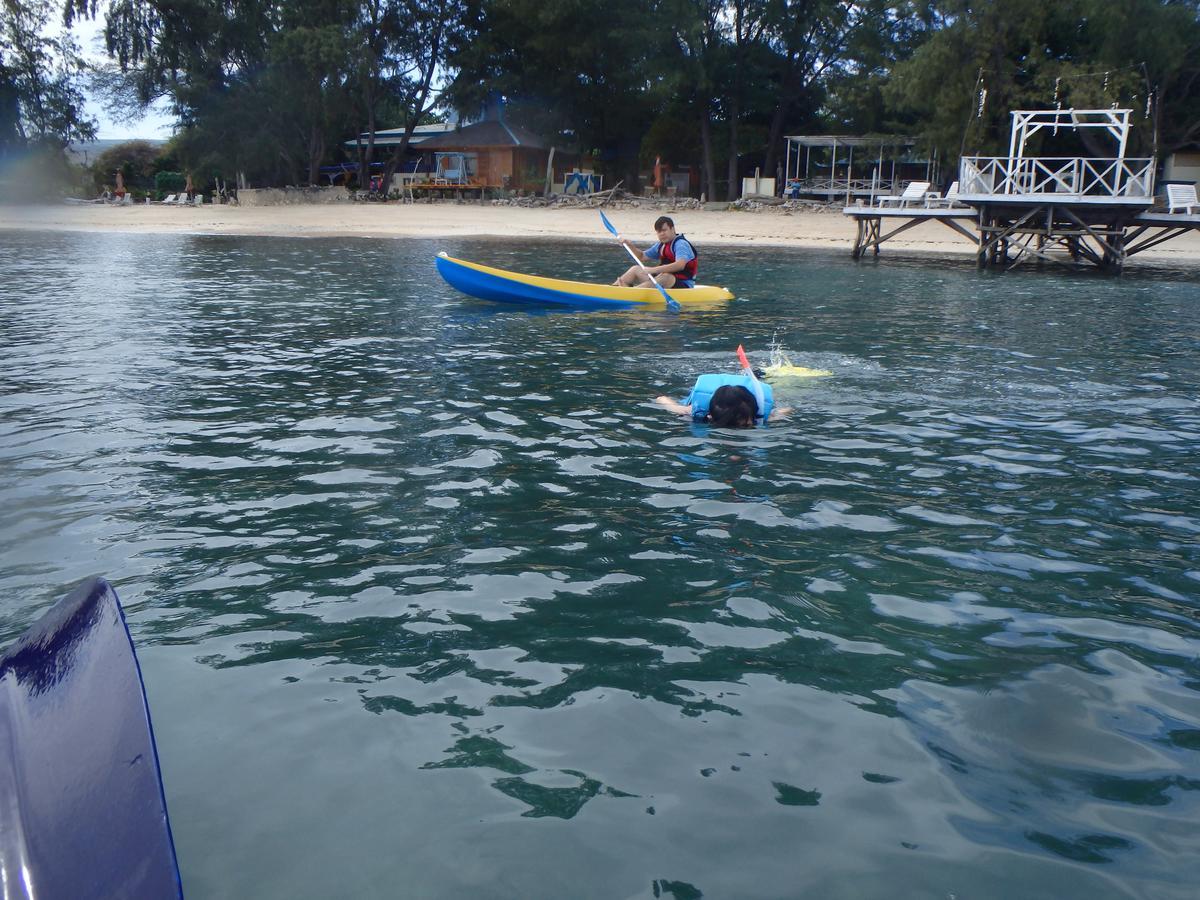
775, 138
366, 154
734, 112
416, 112
735, 103
791, 83
787, 98
710, 164
316, 150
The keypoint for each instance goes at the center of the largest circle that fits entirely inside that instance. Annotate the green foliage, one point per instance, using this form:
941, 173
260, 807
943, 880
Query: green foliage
271, 91
137, 161
601, 76
1029, 54
169, 183
41, 100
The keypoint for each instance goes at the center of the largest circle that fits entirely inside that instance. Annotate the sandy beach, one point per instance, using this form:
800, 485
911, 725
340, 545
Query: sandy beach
817, 230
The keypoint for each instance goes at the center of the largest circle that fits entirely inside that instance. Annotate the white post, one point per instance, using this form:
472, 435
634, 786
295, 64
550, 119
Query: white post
833, 171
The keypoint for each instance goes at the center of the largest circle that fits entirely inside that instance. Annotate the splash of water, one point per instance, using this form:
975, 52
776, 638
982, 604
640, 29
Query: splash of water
781, 365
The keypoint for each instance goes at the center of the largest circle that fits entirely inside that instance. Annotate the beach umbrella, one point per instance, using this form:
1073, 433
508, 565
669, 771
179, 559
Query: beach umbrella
187, 188
120, 191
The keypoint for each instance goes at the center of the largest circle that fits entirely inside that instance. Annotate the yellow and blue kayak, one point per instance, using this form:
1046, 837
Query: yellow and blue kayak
488, 283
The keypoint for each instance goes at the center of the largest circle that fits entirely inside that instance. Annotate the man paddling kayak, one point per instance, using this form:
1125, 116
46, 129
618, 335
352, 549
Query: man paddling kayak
672, 261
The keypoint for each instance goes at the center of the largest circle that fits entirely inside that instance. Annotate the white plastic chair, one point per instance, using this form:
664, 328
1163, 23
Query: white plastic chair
915, 191
947, 202
1182, 198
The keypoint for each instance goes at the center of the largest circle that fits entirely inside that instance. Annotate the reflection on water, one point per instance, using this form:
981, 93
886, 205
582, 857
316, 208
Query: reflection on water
432, 600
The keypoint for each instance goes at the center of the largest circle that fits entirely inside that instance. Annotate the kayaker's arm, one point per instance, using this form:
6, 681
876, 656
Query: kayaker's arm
670, 268
641, 257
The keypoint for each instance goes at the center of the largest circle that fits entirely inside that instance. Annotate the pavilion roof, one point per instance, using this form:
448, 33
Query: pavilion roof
489, 133
851, 140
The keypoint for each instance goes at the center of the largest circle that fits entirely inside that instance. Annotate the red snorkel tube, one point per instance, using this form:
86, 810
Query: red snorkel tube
758, 391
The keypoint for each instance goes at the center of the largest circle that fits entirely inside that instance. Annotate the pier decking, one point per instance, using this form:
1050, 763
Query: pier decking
1057, 233
1094, 211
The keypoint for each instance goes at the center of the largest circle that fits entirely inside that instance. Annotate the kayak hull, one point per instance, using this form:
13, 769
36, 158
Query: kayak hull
488, 283
82, 811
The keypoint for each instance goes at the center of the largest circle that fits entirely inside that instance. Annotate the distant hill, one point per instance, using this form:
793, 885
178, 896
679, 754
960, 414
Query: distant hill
84, 154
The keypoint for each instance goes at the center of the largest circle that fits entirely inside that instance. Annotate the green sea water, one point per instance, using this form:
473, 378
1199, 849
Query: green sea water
431, 601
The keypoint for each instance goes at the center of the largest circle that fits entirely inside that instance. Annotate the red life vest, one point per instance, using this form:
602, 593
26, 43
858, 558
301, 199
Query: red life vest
666, 253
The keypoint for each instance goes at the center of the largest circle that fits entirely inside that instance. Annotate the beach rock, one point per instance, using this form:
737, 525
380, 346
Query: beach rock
292, 195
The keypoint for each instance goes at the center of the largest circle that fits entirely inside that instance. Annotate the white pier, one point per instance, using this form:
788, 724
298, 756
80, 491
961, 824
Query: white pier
1095, 211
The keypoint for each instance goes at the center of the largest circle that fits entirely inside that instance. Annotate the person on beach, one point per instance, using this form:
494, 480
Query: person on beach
671, 262
727, 401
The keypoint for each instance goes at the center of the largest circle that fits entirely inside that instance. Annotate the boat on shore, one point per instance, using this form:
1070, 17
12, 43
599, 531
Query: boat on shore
489, 283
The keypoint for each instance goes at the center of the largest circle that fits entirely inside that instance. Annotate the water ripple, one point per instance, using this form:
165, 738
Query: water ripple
445, 564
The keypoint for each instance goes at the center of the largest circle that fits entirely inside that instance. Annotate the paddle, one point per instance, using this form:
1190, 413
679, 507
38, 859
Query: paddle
672, 303
758, 391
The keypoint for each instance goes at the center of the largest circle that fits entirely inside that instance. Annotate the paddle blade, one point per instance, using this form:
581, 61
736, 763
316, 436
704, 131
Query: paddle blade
607, 224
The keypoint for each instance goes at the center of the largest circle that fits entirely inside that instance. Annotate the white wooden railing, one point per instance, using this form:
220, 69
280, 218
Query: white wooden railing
841, 185
1041, 175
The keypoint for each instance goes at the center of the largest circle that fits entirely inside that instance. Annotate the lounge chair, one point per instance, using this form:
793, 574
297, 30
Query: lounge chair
170, 198
1182, 198
949, 201
915, 192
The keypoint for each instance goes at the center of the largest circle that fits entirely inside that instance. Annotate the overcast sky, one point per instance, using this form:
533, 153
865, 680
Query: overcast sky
155, 124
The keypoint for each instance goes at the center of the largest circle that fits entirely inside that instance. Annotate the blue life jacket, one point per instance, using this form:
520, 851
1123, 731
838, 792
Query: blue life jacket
706, 386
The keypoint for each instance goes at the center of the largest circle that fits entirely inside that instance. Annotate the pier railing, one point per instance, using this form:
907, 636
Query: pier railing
841, 186
1069, 177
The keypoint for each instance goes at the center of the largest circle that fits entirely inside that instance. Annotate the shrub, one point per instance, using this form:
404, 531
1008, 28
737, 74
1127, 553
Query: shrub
169, 183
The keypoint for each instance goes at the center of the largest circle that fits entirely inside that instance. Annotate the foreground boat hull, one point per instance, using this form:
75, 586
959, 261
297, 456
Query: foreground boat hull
489, 283
82, 812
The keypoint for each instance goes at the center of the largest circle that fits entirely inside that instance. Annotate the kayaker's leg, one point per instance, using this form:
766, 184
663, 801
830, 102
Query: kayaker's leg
631, 277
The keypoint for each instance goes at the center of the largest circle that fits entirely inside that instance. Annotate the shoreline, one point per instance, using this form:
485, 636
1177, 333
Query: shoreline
804, 230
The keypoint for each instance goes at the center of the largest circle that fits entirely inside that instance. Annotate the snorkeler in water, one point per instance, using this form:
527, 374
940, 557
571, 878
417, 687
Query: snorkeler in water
728, 401
720, 401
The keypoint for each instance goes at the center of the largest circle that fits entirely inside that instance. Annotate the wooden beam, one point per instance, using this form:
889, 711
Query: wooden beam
1165, 235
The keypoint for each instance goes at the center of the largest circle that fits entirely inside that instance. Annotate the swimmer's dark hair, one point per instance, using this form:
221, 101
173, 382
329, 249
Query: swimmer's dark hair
732, 406
663, 220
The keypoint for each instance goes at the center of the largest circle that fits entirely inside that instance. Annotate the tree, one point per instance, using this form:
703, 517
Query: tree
1144, 54
698, 36
599, 76
822, 43
41, 98
137, 161
429, 29
304, 85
